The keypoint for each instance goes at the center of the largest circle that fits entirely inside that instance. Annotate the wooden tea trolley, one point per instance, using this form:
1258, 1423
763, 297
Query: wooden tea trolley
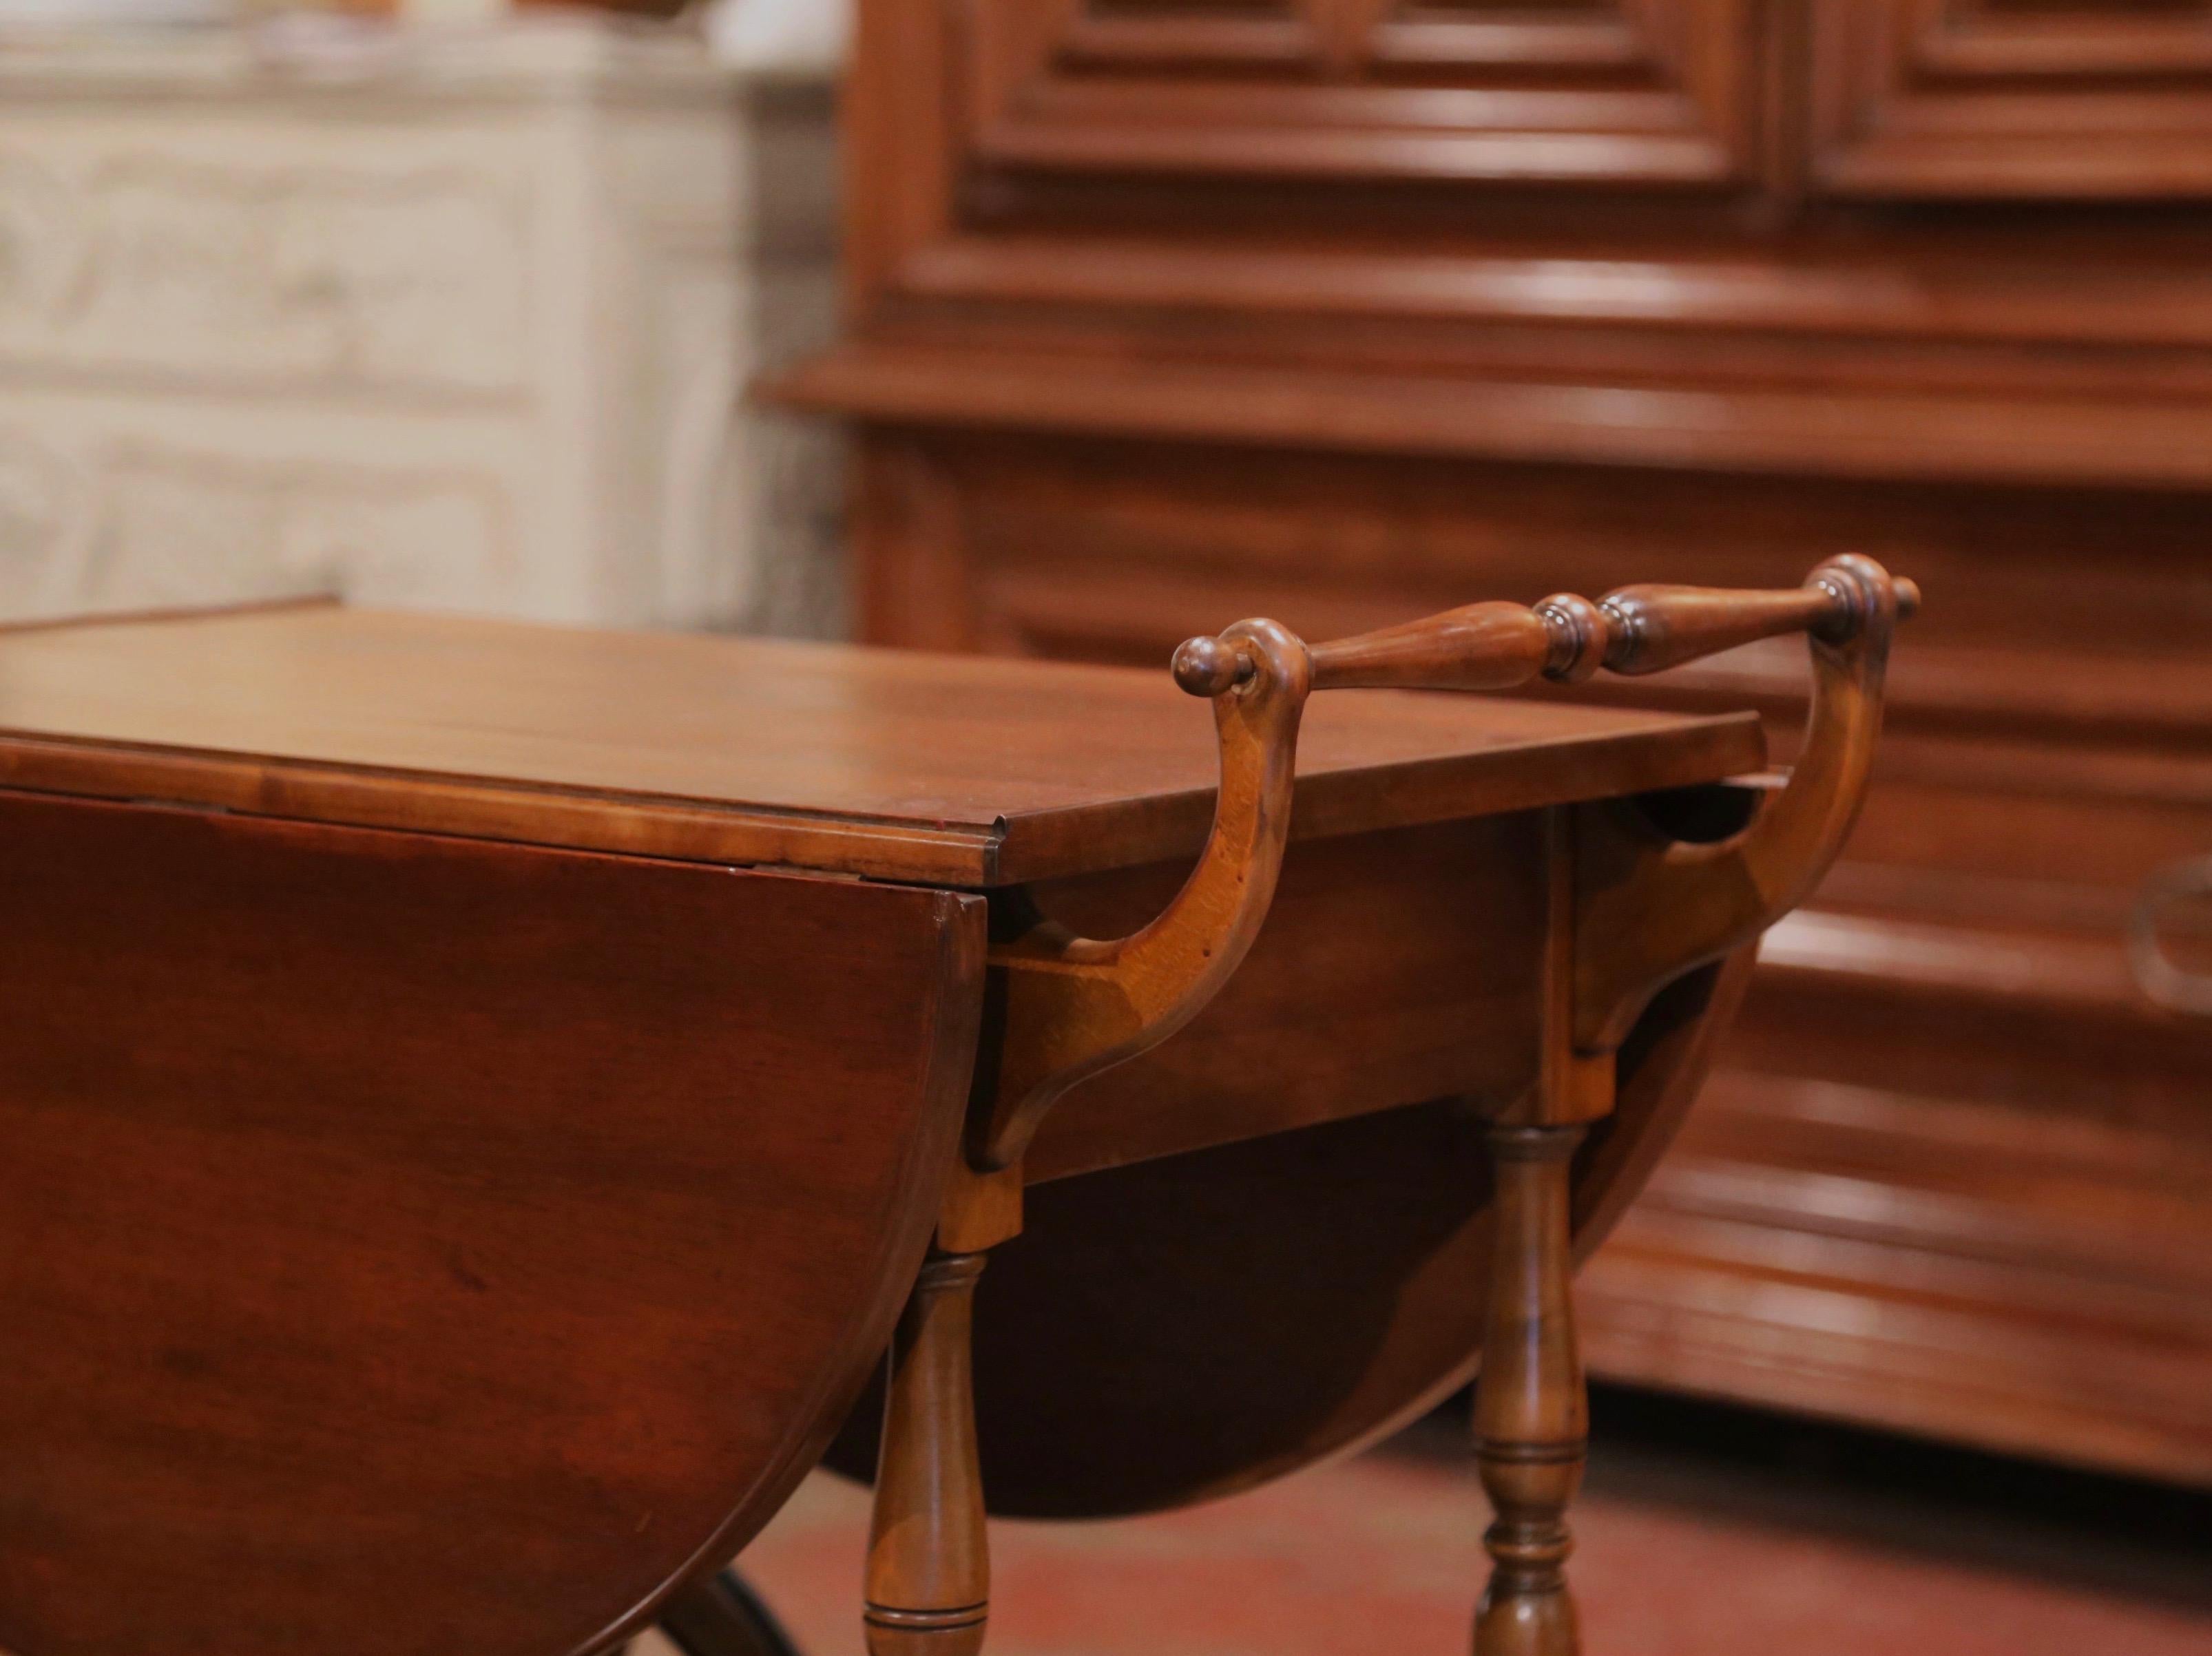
478, 1101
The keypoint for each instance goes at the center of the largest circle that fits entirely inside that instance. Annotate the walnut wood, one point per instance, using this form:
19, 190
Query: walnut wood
1648, 910
1071, 1007
1654, 627
884, 764
1293, 278
2025, 792
1074, 1006
1531, 1412
1481, 646
1881, 1250
1500, 646
1065, 1008
1311, 94
1948, 309
1430, 940
1495, 411
1919, 103
929, 1569
1148, 1341
414, 1244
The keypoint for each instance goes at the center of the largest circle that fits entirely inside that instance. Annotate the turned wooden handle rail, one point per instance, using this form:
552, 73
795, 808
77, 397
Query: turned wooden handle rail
1498, 646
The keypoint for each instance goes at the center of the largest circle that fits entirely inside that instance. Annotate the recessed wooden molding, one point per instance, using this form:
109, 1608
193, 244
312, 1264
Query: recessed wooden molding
2146, 301
1899, 432
1996, 97
1643, 91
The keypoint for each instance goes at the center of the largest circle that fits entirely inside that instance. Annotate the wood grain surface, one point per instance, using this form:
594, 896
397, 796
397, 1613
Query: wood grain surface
412, 1247
1394, 967
1152, 1338
888, 764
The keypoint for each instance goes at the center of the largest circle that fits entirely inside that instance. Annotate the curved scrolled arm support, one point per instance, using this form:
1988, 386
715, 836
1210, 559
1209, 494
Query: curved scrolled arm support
1649, 909
1076, 1005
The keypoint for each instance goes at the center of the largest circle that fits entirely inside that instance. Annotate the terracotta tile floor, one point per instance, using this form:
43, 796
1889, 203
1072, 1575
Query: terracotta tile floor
1734, 1535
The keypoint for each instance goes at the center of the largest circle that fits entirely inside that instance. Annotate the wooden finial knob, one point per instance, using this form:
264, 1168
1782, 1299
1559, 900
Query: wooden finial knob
1210, 666
1853, 582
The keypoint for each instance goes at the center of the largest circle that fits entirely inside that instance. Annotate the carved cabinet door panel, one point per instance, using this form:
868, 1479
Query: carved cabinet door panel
2057, 98
1609, 91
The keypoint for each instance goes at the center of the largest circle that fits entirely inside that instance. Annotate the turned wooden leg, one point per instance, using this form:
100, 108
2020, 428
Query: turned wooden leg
929, 1567
1531, 1412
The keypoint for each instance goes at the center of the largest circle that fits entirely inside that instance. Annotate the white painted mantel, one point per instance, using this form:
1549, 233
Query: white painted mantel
456, 319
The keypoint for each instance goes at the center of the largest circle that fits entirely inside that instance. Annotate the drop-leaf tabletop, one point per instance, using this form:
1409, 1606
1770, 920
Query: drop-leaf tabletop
480, 1099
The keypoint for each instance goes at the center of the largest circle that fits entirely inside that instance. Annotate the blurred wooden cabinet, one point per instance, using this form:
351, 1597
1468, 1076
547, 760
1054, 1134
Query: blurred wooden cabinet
1657, 90
1164, 312
2012, 97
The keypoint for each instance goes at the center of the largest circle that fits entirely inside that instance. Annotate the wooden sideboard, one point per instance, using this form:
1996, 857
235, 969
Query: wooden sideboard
1162, 313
